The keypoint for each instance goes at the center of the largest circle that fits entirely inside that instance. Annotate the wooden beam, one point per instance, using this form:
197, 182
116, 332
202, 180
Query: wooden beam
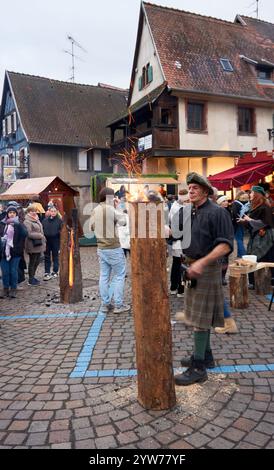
151, 310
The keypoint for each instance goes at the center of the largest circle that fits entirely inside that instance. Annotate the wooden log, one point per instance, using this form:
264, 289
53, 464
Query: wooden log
64, 264
156, 390
262, 281
238, 287
70, 294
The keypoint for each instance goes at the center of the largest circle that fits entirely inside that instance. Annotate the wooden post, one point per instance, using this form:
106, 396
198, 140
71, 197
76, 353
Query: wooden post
70, 294
238, 287
262, 281
156, 390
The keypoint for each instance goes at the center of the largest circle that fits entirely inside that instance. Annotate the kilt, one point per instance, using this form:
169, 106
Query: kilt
204, 304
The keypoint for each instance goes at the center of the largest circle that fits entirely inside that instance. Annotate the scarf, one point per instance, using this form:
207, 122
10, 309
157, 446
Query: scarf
9, 235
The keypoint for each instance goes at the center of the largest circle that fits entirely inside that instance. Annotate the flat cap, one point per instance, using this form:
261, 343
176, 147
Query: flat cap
199, 179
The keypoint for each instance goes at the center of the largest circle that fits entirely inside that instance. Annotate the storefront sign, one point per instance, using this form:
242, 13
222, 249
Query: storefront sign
9, 174
145, 143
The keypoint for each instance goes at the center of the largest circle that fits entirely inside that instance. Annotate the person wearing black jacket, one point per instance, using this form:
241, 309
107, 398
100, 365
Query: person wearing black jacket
52, 228
13, 234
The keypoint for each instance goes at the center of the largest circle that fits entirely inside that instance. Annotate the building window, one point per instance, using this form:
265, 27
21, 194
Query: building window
146, 77
264, 73
196, 120
82, 160
226, 64
166, 116
246, 120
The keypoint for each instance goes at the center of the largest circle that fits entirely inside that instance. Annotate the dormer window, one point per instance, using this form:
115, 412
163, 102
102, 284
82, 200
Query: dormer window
264, 72
226, 64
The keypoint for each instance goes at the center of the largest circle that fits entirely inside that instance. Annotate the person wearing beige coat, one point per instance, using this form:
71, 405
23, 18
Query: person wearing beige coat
35, 243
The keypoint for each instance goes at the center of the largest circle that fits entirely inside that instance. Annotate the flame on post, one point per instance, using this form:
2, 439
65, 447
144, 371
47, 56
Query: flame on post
131, 159
71, 251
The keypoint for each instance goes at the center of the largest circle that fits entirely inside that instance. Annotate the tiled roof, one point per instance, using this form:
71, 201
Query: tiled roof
62, 113
190, 47
146, 100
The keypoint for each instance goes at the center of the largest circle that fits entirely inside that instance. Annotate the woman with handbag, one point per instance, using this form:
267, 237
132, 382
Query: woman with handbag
35, 243
13, 234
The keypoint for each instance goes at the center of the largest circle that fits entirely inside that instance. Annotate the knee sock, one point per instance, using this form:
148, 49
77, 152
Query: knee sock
208, 347
200, 344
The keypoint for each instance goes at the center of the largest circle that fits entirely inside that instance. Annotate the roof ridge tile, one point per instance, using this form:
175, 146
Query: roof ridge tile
231, 23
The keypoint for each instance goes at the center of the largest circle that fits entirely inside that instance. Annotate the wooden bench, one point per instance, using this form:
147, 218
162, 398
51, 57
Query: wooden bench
238, 281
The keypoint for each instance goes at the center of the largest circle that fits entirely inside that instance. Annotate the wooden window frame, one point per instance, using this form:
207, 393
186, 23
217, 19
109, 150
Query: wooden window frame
253, 121
204, 130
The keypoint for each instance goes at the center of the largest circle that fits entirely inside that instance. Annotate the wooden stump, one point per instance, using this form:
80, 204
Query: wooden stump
156, 390
238, 287
70, 294
262, 281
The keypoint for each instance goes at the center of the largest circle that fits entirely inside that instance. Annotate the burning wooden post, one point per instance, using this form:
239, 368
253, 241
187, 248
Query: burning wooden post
71, 289
150, 301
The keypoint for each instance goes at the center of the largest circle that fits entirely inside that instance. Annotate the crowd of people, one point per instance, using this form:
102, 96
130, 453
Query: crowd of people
198, 273
31, 233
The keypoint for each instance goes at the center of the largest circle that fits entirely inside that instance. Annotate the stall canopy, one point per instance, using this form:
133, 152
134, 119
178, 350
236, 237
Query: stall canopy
249, 169
28, 188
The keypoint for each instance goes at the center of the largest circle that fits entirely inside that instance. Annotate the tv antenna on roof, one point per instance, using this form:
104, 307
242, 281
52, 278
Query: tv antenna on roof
257, 8
73, 56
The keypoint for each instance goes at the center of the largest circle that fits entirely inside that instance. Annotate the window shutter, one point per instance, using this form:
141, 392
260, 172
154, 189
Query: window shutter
140, 83
97, 160
4, 128
9, 124
83, 160
14, 121
150, 74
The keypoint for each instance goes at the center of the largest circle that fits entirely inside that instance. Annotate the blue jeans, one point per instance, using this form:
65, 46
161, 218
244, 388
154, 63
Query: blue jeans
227, 313
239, 237
10, 272
112, 262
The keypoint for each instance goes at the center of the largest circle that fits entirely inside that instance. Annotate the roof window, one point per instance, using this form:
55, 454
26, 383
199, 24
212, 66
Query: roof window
226, 64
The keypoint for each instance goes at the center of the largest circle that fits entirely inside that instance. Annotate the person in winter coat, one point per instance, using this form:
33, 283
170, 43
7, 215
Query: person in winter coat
13, 234
35, 243
52, 227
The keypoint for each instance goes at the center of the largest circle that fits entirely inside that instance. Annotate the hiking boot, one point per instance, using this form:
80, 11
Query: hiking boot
121, 309
229, 328
4, 293
47, 276
196, 373
13, 293
180, 316
34, 282
209, 360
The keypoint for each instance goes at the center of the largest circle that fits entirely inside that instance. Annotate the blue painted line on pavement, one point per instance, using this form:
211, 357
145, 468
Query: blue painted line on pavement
79, 373
85, 355
53, 315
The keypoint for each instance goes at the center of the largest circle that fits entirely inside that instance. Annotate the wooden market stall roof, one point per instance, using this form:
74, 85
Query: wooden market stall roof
28, 188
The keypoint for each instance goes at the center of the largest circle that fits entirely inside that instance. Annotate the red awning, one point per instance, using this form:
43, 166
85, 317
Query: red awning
240, 175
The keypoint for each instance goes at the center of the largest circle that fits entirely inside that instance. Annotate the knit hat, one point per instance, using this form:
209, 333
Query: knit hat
258, 189
221, 199
12, 208
199, 179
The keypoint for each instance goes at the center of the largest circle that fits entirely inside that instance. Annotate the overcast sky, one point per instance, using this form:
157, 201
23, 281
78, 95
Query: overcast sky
33, 34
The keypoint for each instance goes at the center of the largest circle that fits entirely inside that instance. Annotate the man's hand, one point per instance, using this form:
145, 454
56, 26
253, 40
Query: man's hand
196, 269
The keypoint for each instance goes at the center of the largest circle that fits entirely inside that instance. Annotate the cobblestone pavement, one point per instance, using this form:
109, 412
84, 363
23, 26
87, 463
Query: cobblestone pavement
67, 377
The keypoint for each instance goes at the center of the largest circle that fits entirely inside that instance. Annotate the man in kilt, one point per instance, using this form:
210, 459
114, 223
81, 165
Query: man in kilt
211, 239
